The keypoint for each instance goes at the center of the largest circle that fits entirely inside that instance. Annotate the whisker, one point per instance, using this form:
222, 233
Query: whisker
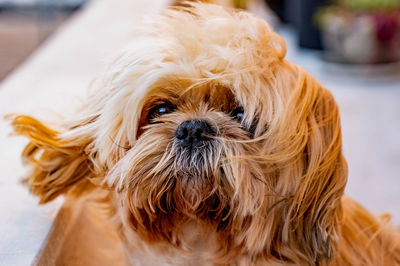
116, 144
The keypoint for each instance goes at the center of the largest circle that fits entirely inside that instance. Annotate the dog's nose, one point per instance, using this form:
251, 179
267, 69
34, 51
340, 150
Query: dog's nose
194, 132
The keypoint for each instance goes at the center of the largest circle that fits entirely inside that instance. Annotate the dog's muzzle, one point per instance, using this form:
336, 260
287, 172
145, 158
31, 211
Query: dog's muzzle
194, 133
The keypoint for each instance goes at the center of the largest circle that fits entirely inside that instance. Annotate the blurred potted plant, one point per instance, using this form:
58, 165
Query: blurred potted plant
361, 31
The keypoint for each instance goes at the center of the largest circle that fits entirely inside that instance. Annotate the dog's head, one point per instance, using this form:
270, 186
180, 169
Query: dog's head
203, 119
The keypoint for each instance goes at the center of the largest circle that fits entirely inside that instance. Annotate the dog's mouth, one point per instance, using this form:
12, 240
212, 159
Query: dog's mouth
195, 159
190, 185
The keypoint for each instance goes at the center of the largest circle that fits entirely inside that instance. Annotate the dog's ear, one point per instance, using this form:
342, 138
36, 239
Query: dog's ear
59, 162
315, 210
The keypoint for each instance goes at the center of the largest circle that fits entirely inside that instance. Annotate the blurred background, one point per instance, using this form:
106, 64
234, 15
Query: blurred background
50, 50
26, 24
348, 31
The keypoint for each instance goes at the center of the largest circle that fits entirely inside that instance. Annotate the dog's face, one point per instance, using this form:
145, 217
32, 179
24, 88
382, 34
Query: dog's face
202, 119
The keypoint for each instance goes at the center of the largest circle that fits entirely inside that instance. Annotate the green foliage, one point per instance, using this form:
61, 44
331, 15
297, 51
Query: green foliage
370, 4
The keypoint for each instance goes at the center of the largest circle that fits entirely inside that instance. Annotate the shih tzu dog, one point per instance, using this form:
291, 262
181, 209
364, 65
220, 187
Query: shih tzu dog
211, 149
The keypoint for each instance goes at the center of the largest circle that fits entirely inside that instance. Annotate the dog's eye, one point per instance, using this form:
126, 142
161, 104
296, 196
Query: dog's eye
160, 110
238, 114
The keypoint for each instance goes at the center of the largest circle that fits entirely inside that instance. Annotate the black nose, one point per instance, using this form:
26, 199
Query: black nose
192, 132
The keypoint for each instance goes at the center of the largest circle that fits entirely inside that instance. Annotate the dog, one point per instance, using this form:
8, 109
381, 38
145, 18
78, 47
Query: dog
209, 148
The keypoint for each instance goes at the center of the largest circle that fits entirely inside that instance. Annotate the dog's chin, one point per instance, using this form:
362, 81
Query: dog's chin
192, 193
196, 176
197, 190
196, 193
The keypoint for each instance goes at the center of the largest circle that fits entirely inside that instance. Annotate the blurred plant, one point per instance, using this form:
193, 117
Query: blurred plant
361, 31
370, 4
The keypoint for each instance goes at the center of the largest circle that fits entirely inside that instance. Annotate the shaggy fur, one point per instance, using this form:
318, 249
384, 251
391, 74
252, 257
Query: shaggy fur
267, 189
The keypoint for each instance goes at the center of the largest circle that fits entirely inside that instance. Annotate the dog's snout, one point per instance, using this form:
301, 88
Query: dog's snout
194, 131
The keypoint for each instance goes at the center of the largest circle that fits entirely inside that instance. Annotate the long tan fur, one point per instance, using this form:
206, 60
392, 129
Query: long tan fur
266, 190
58, 166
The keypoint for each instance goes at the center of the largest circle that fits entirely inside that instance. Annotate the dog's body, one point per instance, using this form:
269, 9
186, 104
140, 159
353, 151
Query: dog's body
364, 240
208, 148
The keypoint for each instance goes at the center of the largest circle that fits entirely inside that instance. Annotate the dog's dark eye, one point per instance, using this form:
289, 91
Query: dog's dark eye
238, 114
159, 110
